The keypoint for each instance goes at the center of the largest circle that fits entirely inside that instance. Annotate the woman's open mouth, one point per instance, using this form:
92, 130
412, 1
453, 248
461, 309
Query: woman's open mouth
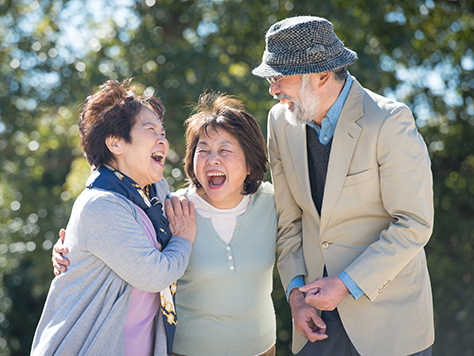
158, 157
215, 179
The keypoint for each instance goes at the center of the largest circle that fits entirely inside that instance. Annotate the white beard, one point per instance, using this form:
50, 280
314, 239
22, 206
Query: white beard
306, 108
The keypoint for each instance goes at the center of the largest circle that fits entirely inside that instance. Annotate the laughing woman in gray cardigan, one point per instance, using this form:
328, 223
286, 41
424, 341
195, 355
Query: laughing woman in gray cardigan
106, 302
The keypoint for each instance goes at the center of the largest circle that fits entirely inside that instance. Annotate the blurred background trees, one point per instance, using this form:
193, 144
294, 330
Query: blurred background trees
53, 53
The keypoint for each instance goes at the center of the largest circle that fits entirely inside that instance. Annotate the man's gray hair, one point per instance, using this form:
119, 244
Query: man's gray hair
340, 74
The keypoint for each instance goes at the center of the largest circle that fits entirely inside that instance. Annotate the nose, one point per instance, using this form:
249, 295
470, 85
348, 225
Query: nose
213, 159
273, 90
162, 140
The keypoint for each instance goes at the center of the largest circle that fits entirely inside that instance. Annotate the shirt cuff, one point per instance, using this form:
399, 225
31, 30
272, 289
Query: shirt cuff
350, 284
296, 282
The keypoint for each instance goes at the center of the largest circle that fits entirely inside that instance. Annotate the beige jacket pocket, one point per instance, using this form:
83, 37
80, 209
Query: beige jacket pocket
357, 178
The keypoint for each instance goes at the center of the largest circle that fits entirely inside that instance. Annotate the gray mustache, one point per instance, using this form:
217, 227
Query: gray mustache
281, 96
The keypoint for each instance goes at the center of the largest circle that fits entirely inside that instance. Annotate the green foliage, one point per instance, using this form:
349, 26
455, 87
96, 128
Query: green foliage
419, 52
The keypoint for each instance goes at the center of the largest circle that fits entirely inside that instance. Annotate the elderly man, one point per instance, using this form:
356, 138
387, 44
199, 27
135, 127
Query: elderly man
353, 190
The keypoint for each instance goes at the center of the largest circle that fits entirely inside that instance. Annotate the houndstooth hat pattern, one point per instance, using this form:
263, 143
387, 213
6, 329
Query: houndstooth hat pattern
302, 45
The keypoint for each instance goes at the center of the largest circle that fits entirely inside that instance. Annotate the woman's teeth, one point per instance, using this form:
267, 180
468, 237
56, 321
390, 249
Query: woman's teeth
215, 179
158, 156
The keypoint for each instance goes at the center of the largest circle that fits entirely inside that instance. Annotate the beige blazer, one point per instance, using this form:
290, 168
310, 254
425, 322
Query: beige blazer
376, 217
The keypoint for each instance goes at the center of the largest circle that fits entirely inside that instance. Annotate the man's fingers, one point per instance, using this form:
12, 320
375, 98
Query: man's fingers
312, 332
316, 336
311, 292
319, 325
318, 328
306, 318
309, 286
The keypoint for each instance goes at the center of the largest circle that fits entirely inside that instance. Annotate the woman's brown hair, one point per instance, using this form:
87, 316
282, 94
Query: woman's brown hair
219, 111
111, 112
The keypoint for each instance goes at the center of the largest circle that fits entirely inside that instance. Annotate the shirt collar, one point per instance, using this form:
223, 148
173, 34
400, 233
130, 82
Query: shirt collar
336, 109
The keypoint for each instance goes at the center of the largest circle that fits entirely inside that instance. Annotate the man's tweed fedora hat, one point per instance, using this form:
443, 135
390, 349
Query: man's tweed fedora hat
302, 45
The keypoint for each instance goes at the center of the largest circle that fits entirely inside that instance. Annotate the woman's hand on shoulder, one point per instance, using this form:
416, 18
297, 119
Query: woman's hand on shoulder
60, 263
182, 218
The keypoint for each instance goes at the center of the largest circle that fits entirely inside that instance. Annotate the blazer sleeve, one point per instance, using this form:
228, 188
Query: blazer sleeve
290, 261
407, 196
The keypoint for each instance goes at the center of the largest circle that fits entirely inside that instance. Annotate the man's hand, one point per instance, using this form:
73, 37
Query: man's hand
325, 293
60, 263
306, 319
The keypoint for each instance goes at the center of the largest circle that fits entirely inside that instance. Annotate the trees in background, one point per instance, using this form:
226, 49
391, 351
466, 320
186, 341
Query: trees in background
54, 53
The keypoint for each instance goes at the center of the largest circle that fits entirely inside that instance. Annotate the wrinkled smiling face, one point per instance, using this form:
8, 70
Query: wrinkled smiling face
143, 158
221, 168
301, 107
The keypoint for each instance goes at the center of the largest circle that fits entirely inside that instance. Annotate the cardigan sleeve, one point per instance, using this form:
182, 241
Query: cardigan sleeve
113, 233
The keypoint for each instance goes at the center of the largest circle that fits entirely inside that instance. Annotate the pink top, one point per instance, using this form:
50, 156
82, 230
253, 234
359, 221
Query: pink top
138, 330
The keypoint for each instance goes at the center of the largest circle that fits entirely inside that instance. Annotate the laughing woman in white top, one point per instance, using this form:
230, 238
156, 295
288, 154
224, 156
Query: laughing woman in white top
225, 300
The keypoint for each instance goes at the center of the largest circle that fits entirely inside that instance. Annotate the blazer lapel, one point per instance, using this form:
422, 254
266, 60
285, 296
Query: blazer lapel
344, 141
296, 138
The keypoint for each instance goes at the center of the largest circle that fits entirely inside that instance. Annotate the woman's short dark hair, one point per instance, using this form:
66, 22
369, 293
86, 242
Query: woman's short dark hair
219, 111
111, 112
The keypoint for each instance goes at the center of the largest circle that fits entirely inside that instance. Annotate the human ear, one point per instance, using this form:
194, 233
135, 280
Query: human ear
114, 145
324, 77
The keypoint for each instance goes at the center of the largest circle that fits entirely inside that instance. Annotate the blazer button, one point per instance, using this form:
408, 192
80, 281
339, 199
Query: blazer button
325, 244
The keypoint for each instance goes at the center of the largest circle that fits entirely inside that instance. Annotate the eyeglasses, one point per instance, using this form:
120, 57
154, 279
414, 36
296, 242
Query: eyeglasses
274, 80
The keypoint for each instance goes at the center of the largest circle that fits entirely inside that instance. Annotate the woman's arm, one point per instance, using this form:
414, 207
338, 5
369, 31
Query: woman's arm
114, 236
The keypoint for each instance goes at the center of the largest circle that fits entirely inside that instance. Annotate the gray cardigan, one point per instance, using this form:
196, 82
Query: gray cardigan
86, 307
